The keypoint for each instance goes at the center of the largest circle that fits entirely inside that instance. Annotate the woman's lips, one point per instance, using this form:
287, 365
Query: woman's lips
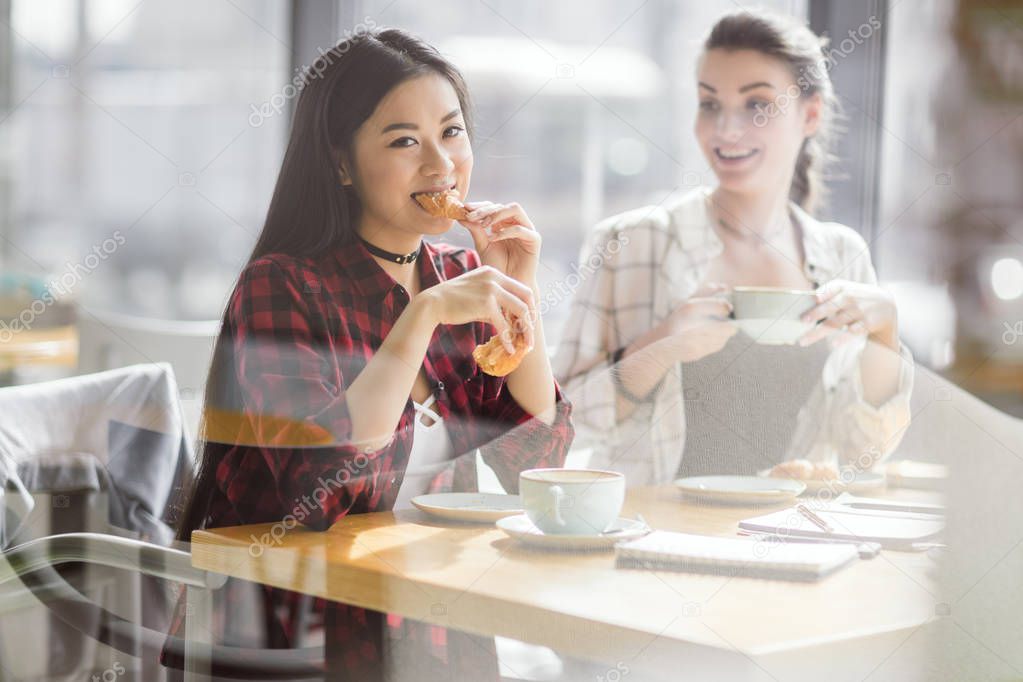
734, 158
434, 190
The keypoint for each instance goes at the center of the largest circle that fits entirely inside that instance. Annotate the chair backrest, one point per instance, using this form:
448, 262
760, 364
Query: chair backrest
103, 453
127, 421
109, 340
977, 628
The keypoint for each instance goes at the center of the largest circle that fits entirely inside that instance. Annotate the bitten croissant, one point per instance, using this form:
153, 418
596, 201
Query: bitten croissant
495, 360
442, 204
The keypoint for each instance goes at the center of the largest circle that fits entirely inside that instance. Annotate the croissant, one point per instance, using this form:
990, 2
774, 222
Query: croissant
802, 469
442, 204
495, 360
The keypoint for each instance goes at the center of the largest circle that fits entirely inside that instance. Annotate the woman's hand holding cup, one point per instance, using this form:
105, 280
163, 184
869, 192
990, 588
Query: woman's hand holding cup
700, 326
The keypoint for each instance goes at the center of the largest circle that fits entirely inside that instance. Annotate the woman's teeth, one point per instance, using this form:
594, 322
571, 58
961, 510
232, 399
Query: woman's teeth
733, 154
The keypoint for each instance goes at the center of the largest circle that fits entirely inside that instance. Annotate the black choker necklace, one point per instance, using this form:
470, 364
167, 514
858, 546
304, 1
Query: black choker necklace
393, 257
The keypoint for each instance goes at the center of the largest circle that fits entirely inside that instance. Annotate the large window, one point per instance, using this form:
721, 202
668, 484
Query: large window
131, 159
134, 122
584, 108
950, 227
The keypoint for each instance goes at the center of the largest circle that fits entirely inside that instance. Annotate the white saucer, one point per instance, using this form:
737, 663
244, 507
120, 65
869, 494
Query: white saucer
469, 507
740, 489
863, 481
523, 530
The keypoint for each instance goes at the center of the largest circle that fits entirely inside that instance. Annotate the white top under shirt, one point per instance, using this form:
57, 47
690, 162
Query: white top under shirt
432, 450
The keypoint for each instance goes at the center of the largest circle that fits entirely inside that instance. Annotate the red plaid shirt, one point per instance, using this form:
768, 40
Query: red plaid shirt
300, 331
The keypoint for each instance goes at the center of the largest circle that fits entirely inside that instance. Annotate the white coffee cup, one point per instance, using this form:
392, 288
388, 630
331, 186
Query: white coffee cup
572, 501
771, 315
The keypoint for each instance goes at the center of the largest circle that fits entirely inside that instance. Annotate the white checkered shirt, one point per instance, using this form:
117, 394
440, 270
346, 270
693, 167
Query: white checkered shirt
639, 266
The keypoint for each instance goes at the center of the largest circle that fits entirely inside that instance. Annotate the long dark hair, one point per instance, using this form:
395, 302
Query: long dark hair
311, 211
803, 52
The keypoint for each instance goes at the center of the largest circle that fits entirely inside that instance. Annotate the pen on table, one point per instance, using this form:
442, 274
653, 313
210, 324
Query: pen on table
814, 518
866, 550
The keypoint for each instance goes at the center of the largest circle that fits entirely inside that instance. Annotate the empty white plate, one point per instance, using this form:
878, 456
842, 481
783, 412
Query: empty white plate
469, 507
740, 489
523, 530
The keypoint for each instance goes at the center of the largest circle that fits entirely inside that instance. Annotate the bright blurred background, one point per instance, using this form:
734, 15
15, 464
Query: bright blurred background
141, 144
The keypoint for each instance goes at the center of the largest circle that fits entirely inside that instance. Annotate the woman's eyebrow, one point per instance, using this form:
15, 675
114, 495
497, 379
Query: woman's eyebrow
707, 87
412, 126
758, 84
399, 126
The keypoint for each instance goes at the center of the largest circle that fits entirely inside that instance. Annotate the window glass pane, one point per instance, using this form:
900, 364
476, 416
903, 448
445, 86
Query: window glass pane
137, 174
583, 109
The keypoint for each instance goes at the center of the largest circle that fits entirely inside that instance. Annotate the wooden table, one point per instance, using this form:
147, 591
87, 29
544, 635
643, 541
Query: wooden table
475, 578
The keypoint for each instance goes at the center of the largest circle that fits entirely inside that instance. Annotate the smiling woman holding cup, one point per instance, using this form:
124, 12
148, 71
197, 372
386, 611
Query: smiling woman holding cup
729, 330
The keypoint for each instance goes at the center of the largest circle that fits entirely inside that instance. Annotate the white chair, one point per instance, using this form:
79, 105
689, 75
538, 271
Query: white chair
109, 340
977, 626
30, 566
103, 453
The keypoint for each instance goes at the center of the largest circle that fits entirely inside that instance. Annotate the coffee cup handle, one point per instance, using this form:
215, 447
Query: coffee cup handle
558, 494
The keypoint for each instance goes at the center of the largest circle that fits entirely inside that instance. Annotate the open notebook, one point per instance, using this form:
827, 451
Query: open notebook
665, 550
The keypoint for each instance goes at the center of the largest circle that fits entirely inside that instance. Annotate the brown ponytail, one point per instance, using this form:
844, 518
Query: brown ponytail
806, 183
805, 54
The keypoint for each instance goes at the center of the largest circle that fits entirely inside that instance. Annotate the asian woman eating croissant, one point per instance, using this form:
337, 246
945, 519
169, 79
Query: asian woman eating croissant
353, 349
